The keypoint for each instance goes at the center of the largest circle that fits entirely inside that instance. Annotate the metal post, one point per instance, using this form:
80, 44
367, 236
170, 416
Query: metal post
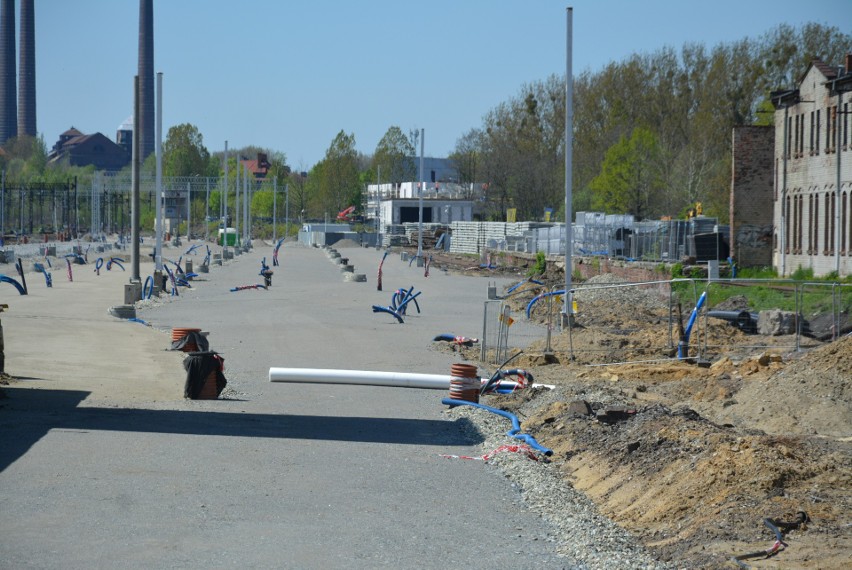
246, 219
158, 246
837, 206
224, 206
569, 139
237, 199
378, 201
275, 210
188, 210
484, 346
286, 209
76, 210
207, 209
783, 238
134, 204
420, 209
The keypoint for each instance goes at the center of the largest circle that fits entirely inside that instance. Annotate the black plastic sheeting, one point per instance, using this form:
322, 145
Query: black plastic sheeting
198, 367
199, 339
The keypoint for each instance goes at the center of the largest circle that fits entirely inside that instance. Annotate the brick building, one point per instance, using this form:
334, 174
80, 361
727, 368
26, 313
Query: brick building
77, 149
751, 193
812, 197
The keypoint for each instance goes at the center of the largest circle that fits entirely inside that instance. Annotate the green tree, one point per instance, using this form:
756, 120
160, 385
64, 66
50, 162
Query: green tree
184, 153
395, 157
339, 186
628, 182
466, 157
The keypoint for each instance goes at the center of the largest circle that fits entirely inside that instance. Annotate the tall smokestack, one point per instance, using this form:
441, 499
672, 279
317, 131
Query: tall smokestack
26, 72
8, 104
145, 128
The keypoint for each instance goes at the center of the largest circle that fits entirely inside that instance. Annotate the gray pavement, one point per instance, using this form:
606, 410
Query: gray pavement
274, 475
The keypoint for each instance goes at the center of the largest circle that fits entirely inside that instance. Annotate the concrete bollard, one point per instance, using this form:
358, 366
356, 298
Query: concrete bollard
132, 292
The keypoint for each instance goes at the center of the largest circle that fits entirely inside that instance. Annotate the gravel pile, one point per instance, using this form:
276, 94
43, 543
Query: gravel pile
587, 539
599, 289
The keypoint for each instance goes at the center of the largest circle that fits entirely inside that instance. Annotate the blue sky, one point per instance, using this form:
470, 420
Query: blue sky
290, 75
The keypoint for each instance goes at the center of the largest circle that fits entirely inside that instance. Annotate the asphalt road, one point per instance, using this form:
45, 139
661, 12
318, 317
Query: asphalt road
276, 475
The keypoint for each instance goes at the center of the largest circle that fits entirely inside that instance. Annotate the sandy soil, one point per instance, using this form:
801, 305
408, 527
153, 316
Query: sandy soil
692, 457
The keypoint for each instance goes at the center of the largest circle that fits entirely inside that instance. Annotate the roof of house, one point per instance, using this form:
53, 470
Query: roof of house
256, 168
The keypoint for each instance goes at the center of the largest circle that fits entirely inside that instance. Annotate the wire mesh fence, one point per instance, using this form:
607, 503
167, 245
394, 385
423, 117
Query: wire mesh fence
100, 203
616, 322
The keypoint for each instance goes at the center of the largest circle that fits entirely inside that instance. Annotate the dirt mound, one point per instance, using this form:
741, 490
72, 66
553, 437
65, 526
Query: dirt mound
692, 454
695, 490
346, 243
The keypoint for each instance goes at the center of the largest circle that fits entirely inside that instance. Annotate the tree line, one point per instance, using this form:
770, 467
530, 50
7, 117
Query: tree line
652, 133
652, 137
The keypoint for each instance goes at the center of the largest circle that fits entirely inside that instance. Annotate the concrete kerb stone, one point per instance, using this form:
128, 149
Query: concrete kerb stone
355, 277
347, 268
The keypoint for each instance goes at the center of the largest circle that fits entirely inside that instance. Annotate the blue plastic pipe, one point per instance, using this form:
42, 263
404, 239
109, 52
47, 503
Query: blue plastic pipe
683, 345
388, 310
148, 288
515, 432
10, 281
542, 296
516, 285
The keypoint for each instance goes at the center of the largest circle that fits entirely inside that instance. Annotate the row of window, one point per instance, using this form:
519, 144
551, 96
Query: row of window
819, 232
795, 147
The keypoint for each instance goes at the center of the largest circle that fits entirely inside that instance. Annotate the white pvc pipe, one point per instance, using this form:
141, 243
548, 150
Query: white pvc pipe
371, 378
360, 377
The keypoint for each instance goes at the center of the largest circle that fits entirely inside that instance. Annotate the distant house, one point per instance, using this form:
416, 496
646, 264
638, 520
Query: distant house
77, 149
259, 168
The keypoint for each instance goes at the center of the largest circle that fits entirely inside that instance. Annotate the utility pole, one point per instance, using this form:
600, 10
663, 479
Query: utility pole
568, 307
225, 206
420, 208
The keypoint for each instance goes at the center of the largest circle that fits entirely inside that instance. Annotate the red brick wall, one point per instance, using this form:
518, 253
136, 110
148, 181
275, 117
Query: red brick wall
752, 195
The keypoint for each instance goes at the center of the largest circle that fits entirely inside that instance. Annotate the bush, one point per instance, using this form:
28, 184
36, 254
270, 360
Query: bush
540, 265
801, 274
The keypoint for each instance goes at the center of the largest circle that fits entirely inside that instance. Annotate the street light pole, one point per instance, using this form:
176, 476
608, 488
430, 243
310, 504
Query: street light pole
225, 206
188, 210
275, 209
784, 150
420, 208
378, 202
568, 307
207, 209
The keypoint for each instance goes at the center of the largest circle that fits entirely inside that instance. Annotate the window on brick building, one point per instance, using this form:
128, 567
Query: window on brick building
802, 136
789, 150
843, 223
810, 224
800, 217
787, 226
796, 138
826, 223
845, 118
831, 130
775, 185
849, 225
816, 137
832, 231
813, 132
815, 228
794, 222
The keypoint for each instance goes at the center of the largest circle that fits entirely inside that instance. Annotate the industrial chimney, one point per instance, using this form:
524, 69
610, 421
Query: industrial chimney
145, 128
26, 72
8, 104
